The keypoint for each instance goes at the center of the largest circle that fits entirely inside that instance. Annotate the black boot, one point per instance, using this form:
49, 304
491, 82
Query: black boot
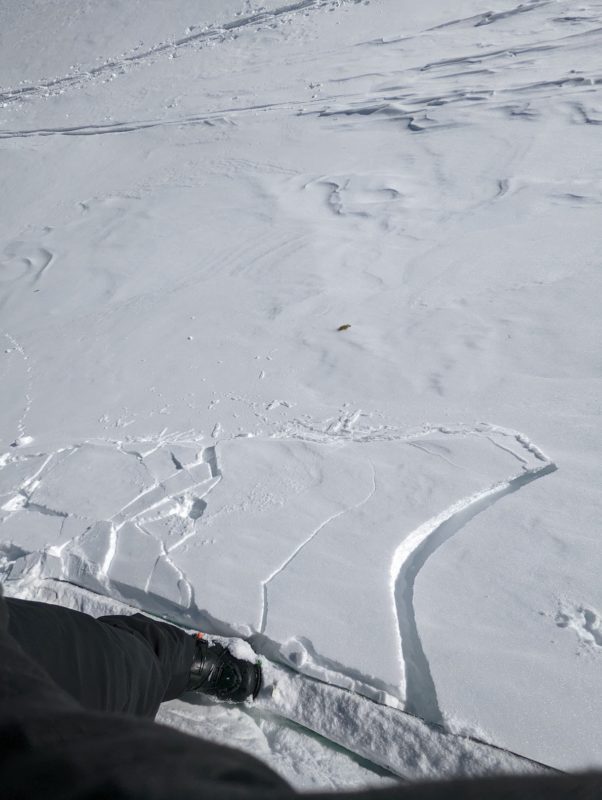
215, 671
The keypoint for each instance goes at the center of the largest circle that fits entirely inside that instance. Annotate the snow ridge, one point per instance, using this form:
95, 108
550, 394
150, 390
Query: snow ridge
393, 739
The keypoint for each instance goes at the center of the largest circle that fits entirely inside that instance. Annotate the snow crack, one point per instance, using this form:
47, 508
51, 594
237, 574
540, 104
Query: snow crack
311, 537
410, 557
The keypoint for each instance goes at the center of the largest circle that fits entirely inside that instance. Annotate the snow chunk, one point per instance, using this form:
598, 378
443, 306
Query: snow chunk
22, 441
93, 481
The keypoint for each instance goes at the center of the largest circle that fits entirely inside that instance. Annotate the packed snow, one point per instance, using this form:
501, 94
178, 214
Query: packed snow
298, 309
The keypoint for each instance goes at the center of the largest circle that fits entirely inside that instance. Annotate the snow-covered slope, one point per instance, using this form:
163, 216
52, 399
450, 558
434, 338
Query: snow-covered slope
298, 308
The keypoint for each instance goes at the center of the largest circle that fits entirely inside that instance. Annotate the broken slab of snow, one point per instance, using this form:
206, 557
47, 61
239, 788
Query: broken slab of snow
299, 544
93, 482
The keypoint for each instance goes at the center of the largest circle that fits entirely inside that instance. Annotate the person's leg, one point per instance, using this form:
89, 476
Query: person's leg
173, 648
120, 663
52, 747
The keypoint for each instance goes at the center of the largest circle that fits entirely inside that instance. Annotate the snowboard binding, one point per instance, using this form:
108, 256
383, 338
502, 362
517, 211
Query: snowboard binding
216, 672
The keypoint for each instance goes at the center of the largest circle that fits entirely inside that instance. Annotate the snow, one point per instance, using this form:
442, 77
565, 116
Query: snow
307, 355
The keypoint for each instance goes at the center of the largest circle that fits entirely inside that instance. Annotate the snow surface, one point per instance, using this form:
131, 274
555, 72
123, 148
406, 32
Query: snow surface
298, 310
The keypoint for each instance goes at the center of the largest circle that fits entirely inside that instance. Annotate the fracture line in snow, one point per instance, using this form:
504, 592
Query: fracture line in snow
424, 449
193, 532
409, 558
110, 553
184, 585
209, 457
300, 547
508, 450
27, 483
119, 517
160, 493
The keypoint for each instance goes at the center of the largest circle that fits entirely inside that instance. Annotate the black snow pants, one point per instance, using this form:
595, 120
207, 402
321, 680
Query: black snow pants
126, 664
55, 744
54, 747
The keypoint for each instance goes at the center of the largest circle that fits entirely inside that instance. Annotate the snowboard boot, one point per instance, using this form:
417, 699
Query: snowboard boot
216, 672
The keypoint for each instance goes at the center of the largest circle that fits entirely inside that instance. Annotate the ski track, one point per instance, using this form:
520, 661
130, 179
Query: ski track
404, 107
29, 382
220, 33
408, 106
489, 17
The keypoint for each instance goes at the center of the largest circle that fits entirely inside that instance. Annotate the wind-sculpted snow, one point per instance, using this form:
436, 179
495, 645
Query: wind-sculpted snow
260, 536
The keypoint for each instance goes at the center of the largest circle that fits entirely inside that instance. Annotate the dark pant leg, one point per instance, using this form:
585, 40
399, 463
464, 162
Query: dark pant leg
173, 649
123, 664
53, 748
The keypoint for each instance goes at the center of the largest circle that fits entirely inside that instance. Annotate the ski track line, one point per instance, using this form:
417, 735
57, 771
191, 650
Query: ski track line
28, 392
218, 33
489, 17
551, 43
300, 547
129, 126
358, 103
